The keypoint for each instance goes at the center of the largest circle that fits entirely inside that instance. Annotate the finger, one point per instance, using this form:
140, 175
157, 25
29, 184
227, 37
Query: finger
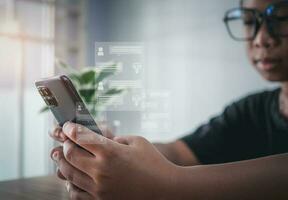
59, 148
106, 131
128, 140
121, 140
72, 174
60, 175
56, 149
79, 157
57, 134
88, 139
77, 193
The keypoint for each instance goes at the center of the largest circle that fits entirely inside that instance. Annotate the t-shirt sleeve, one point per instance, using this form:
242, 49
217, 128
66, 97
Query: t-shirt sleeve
226, 138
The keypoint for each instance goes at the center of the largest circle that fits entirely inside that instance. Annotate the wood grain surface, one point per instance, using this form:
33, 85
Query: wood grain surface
41, 188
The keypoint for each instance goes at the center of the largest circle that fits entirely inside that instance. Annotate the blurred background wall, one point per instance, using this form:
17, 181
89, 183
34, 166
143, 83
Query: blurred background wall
188, 53
189, 60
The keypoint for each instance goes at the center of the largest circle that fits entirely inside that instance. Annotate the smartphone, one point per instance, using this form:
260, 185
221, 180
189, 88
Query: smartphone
65, 103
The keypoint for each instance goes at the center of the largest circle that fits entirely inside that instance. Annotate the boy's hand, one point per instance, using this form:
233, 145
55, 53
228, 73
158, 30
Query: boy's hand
59, 136
122, 168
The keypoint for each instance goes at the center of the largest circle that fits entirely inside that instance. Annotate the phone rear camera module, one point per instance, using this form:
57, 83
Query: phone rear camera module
48, 97
52, 102
46, 91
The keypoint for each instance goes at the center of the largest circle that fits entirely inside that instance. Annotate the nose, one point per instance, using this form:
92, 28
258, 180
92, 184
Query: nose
264, 39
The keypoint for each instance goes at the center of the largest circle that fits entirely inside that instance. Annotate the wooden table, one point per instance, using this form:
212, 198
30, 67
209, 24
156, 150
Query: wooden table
42, 188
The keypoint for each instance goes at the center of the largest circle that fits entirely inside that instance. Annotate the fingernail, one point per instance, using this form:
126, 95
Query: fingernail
62, 136
57, 133
55, 156
67, 186
67, 128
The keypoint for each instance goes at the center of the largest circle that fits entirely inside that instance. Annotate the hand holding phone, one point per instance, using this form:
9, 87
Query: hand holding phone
64, 102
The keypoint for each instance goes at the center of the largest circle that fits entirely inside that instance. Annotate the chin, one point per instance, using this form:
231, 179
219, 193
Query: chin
274, 77
279, 74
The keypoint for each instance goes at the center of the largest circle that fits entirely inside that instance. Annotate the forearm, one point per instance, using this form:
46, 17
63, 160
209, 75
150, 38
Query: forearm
178, 153
265, 178
167, 151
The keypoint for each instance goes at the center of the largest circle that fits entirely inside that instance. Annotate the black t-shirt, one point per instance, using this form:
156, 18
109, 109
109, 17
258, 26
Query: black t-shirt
250, 128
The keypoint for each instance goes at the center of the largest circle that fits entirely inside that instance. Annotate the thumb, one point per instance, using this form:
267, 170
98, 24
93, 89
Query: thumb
107, 132
127, 140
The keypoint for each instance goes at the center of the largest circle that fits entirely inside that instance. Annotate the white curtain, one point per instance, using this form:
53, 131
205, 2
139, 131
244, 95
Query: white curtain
26, 54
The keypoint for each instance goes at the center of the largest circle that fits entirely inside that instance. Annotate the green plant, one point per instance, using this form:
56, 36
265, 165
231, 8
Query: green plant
89, 82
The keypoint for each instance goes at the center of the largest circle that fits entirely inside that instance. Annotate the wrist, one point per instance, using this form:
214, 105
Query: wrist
170, 183
165, 150
185, 183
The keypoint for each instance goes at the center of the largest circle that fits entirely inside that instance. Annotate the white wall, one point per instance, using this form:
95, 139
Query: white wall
191, 55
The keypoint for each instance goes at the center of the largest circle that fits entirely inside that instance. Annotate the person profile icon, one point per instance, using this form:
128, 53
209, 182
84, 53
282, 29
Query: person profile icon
136, 99
101, 86
137, 67
100, 51
79, 107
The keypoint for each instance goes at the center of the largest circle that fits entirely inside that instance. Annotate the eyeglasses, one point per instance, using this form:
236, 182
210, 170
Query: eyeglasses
243, 24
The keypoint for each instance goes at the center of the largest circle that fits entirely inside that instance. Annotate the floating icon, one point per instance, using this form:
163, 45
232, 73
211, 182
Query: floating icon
101, 86
136, 99
79, 107
137, 67
100, 51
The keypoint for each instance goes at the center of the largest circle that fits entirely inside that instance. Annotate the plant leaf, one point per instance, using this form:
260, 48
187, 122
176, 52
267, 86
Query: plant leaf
106, 72
87, 77
61, 63
44, 109
75, 77
87, 94
114, 91
108, 96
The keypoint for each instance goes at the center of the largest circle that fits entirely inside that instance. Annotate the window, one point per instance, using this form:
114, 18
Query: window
26, 54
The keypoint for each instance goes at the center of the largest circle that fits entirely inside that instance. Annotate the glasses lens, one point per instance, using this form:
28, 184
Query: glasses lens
280, 24
241, 24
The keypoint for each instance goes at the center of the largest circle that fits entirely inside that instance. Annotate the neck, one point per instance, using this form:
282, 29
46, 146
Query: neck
283, 100
284, 91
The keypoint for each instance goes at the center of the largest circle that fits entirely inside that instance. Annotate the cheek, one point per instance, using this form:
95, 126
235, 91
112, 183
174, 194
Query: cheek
286, 51
283, 42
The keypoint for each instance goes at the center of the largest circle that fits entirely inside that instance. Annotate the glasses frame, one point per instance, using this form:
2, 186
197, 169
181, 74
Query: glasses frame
259, 18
